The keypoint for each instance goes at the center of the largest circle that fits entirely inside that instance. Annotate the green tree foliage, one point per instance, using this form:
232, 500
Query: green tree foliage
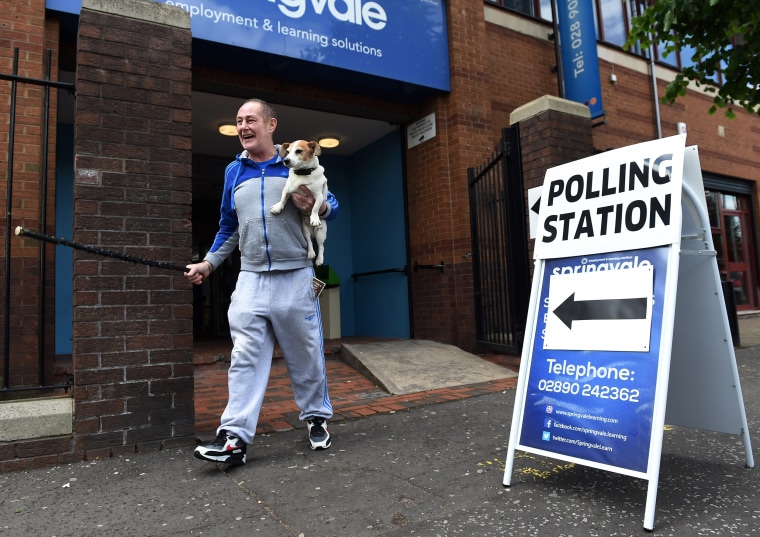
725, 38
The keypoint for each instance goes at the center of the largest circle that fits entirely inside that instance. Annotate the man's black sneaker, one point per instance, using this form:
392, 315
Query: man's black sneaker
319, 438
226, 448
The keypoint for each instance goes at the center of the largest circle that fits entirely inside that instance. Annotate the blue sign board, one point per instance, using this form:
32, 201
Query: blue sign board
580, 63
405, 41
595, 405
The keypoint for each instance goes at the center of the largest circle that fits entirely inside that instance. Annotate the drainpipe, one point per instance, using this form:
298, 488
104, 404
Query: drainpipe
632, 12
654, 91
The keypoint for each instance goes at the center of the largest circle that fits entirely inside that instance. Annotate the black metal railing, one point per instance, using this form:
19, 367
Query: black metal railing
356, 275
501, 273
441, 266
47, 84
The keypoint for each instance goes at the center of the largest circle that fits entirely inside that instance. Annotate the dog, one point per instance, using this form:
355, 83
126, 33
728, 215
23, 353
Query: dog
302, 158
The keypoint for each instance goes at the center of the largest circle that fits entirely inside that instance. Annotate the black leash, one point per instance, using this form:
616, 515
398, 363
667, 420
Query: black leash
23, 232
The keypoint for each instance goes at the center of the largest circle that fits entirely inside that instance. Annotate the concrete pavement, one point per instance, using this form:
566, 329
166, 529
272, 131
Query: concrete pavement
433, 470
749, 329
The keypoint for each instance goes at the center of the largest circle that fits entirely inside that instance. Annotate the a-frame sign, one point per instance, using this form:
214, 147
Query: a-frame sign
627, 326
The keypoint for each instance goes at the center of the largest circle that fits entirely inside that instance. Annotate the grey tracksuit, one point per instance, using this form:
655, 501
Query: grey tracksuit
273, 298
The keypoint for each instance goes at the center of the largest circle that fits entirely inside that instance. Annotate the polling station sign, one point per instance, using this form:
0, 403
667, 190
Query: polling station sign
627, 198
609, 357
596, 407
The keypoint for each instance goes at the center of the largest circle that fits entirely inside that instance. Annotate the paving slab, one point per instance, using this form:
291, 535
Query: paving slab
416, 365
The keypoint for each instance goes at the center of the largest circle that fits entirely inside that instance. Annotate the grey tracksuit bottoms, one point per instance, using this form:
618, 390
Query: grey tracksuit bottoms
269, 307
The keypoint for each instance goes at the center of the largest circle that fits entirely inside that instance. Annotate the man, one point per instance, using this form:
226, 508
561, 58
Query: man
274, 299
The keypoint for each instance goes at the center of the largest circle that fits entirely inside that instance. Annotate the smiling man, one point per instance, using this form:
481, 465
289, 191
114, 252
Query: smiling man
274, 300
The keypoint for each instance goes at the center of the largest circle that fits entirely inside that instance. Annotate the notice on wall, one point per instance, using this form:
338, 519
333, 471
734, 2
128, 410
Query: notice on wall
420, 131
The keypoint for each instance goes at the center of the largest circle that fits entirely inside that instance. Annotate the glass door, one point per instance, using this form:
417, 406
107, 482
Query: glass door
732, 234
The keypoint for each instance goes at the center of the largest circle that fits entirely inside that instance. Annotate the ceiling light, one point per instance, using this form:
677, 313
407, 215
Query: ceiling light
329, 142
228, 129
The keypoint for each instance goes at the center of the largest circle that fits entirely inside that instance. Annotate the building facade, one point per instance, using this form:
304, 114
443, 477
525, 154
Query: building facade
108, 130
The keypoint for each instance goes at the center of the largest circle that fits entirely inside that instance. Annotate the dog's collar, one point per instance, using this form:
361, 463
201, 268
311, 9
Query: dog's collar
304, 171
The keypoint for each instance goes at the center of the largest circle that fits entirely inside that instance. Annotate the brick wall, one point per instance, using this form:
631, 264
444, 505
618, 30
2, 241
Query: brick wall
490, 78
132, 323
438, 197
494, 71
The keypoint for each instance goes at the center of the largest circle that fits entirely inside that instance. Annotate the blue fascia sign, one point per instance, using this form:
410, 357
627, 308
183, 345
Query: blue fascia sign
405, 41
580, 62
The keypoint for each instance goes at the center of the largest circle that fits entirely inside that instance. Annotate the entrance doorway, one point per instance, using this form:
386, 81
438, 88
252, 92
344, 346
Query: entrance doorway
365, 173
732, 231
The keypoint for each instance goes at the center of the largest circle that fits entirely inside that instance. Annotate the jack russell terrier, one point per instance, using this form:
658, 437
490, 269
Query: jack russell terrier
301, 157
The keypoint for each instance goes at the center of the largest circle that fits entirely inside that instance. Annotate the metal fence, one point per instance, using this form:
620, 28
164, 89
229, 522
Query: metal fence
18, 84
501, 273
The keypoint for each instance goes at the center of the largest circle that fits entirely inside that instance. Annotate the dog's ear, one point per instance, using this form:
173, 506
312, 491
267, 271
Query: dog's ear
314, 146
284, 149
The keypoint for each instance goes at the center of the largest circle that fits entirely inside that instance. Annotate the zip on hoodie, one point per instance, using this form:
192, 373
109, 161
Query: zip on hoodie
264, 219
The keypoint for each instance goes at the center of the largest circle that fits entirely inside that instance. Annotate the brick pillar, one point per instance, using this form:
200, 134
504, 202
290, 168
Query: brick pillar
132, 326
553, 131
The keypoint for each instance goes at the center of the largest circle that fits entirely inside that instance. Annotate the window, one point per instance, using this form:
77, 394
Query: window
523, 6
613, 22
613, 28
670, 59
687, 57
546, 9
528, 7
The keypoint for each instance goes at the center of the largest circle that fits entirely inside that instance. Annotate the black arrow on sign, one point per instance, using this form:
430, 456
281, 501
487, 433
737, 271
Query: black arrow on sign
612, 309
536, 205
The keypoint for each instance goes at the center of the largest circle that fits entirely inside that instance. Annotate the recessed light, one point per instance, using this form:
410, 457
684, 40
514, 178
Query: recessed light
328, 142
228, 129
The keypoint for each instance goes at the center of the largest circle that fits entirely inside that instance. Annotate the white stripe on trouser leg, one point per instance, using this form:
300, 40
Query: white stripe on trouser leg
297, 323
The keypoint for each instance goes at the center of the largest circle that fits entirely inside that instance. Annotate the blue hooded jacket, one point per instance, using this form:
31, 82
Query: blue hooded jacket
266, 241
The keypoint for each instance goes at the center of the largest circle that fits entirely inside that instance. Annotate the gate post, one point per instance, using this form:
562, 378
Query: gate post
553, 131
132, 326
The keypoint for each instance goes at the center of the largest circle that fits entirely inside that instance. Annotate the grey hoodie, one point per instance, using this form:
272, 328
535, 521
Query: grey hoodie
266, 241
